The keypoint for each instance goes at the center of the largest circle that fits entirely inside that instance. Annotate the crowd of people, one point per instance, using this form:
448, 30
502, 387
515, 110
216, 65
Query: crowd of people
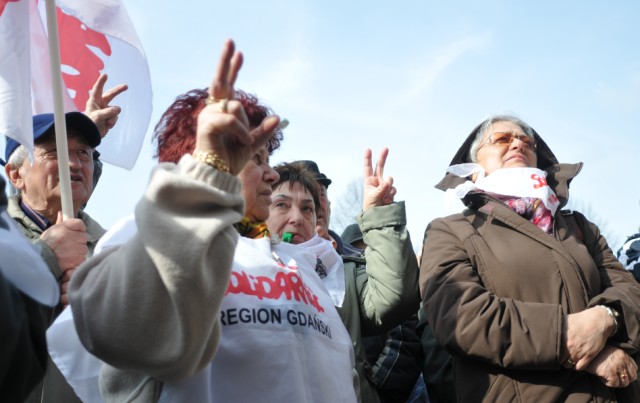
227, 284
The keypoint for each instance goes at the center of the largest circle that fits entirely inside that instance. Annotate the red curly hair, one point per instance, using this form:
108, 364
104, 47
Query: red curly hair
176, 130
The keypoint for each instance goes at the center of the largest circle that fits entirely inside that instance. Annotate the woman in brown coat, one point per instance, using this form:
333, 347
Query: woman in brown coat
529, 299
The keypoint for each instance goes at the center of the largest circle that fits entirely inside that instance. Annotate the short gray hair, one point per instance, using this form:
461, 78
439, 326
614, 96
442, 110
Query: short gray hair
16, 159
486, 126
18, 156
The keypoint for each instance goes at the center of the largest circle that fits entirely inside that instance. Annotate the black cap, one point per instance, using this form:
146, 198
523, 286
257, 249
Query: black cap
352, 234
313, 168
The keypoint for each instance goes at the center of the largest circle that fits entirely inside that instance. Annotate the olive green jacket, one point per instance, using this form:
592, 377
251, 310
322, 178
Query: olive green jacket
381, 289
32, 232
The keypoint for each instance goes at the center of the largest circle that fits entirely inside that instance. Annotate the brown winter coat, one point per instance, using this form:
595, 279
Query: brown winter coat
496, 288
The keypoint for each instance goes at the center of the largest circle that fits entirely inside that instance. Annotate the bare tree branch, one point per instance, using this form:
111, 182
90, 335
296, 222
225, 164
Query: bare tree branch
347, 206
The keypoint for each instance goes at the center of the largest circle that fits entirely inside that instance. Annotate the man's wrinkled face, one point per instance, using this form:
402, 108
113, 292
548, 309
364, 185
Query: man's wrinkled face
40, 182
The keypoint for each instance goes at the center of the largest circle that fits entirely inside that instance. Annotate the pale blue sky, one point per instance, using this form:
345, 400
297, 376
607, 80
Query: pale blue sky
415, 76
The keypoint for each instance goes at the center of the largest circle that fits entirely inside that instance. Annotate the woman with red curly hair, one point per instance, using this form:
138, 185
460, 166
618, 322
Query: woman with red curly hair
174, 134
177, 305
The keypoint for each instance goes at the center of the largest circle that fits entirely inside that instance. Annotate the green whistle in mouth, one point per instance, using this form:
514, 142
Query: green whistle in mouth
287, 237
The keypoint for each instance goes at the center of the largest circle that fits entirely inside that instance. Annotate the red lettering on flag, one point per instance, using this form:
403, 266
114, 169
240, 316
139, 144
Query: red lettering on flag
3, 4
287, 285
75, 39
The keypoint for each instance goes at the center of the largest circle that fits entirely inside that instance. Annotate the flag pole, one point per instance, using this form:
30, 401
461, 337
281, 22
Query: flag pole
58, 111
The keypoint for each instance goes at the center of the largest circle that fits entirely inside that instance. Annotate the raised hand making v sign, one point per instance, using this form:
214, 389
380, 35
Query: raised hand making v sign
98, 109
377, 190
224, 136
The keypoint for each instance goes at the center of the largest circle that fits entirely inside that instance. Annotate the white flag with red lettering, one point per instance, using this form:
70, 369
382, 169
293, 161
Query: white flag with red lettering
96, 36
15, 77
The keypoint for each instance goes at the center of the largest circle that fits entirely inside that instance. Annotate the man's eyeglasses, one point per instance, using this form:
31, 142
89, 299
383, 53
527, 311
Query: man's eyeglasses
504, 139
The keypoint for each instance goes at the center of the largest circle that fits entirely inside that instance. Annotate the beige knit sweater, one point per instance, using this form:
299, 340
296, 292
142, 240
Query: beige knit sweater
138, 306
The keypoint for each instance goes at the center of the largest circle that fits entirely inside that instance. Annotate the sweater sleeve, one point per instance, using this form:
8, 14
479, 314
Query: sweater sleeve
388, 289
151, 305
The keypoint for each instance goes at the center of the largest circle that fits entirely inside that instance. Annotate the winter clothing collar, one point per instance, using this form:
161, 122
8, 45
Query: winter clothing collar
559, 175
